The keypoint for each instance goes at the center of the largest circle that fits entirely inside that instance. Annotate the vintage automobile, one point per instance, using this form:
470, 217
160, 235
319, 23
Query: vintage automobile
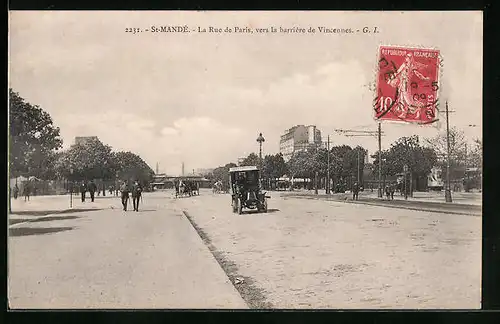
246, 191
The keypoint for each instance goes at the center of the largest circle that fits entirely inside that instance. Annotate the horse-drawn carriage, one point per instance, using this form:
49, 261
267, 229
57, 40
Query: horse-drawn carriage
246, 190
186, 187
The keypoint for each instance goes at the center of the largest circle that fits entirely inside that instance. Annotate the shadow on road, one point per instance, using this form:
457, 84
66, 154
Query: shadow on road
53, 218
255, 212
48, 212
15, 221
25, 231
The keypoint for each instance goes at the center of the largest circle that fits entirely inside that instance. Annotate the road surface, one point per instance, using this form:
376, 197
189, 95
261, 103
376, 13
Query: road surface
195, 253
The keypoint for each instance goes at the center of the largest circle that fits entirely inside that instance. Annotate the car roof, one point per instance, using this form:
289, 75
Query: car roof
244, 168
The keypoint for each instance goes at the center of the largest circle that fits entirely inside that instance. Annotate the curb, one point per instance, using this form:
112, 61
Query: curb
423, 209
251, 295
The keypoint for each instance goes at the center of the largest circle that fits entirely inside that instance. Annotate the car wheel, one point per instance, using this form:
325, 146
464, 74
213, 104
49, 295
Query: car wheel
235, 205
240, 207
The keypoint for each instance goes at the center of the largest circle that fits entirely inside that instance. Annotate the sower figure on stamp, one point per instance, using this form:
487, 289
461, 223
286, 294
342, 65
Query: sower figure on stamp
136, 195
83, 190
125, 193
92, 189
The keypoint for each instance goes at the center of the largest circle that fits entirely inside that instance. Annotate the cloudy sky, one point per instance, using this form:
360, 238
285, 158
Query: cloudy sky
203, 98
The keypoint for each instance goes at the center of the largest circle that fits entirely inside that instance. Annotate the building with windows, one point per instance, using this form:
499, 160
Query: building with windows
299, 138
84, 139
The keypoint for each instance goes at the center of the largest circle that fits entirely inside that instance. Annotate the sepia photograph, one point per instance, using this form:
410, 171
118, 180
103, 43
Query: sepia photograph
245, 159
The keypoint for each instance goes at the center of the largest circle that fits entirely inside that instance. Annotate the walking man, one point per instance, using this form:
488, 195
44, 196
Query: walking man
355, 191
136, 195
83, 190
92, 189
125, 192
392, 189
27, 191
16, 191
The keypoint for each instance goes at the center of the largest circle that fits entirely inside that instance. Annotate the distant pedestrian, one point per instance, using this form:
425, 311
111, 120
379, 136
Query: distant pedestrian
92, 189
387, 192
392, 190
136, 195
355, 191
125, 194
83, 190
16, 191
27, 191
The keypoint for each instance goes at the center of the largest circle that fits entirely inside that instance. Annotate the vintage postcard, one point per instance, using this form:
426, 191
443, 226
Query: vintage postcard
245, 160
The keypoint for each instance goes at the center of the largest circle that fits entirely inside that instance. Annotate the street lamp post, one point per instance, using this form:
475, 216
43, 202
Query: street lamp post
328, 166
380, 160
405, 169
71, 189
447, 193
358, 168
260, 140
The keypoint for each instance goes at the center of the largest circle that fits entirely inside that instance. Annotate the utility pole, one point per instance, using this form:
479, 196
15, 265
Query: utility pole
358, 168
360, 133
447, 193
379, 159
328, 166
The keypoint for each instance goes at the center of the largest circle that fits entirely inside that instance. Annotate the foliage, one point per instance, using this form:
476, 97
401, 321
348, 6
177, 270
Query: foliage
130, 166
89, 160
457, 146
407, 151
222, 173
475, 157
302, 164
274, 166
33, 138
251, 160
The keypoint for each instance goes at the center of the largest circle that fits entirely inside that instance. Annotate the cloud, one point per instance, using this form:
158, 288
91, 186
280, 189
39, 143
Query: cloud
203, 99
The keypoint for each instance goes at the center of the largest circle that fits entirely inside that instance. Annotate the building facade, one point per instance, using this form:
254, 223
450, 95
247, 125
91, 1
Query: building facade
299, 138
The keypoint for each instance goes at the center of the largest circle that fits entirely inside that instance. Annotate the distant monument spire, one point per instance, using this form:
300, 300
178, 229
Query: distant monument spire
182, 168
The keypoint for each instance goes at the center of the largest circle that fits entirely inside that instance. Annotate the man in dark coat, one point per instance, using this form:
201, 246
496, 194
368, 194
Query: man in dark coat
355, 191
124, 188
136, 195
83, 190
16, 191
92, 187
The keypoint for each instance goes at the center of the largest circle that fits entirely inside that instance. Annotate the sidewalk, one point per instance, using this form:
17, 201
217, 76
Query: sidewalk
463, 203
117, 260
47, 205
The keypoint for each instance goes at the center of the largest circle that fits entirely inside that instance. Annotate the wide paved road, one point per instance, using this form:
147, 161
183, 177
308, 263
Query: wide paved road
327, 254
302, 254
112, 259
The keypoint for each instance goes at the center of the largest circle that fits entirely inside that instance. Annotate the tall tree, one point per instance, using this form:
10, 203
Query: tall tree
274, 166
222, 174
32, 138
407, 151
457, 147
251, 159
89, 160
130, 166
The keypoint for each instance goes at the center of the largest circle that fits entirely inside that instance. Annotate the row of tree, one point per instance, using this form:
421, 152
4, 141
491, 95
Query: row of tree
346, 162
34, 150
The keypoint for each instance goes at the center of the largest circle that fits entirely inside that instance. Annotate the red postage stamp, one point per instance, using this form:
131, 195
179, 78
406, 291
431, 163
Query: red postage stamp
407, 84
